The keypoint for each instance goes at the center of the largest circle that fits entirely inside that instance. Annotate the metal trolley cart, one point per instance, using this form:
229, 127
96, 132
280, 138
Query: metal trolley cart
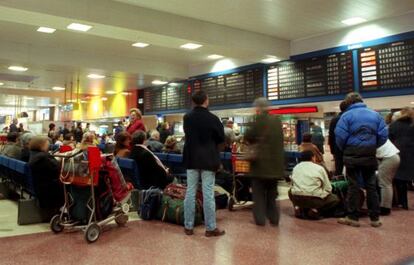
93, 226
241, 193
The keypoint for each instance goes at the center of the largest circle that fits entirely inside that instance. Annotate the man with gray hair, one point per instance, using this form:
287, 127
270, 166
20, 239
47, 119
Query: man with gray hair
265, 138
154, 143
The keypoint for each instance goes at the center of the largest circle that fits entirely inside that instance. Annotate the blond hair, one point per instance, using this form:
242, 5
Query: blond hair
137, 112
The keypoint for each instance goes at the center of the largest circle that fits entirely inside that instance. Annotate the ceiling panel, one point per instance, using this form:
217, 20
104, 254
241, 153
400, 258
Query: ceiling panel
288, 19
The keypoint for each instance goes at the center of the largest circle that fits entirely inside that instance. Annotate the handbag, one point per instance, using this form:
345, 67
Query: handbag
178, 191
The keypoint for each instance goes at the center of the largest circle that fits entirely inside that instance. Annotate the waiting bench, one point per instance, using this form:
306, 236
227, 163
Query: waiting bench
16, 176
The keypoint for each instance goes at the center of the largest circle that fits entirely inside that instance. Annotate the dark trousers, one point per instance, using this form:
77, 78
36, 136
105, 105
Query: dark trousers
367, 174
325, 206
339, 164
264, 198
402, 187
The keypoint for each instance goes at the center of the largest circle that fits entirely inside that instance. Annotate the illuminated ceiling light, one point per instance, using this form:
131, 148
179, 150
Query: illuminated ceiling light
191, 46
18, 68
29, 98
215, 56
173, 84
79, 27
412, 102
104, 98
58, 88
46, 30
140, 44
271, 59
1, 84
353, 21
110, 92
126, 93
159, 82
83, 101
95, 76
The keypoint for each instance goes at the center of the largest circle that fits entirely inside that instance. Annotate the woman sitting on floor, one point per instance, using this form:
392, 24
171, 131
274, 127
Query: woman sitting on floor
307, 145
311, 191
152, 172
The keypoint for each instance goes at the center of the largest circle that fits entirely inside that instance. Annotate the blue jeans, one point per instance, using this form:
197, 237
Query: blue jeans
209, 204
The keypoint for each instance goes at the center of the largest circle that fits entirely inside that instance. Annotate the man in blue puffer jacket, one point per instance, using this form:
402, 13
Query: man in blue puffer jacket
359, 132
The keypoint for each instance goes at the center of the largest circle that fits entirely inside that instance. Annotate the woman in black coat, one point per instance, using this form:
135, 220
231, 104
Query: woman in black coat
45, 171
401, 133
152, 173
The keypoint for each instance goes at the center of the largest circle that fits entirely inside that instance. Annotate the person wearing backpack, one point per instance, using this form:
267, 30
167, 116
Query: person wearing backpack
204, 133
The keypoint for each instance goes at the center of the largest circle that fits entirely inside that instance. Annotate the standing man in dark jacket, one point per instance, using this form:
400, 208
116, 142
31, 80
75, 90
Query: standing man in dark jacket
203, 135
267, 165
78, 132
359, 132
335, 151
317, 137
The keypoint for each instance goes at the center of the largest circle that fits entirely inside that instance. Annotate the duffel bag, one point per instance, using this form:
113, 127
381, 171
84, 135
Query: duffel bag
149, 203
172, 211
178, 191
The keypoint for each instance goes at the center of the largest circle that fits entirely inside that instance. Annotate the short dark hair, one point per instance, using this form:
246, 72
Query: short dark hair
353, 98
343, 106
306, 156
138, 137
311, 123
67, 137
307, 138
37, 143
199, 97
12, 137
51, 126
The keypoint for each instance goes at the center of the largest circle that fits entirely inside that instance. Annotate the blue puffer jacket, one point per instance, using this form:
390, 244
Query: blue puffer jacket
359, 132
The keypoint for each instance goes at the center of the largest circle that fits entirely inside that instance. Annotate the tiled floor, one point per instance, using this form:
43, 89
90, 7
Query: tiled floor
293, 242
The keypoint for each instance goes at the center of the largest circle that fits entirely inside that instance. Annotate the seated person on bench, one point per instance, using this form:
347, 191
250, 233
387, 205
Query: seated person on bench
151, 170
11, 148
311, 191
45, 171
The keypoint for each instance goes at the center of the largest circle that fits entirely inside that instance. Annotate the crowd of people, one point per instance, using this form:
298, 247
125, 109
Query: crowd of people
375, 153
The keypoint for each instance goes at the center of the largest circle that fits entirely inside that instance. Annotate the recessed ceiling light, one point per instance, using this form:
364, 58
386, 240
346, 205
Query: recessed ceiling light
173, 84
58, 88
159, 82
353, 21
18, 68
126, 93
46, 30
79, 27
110, 92
1, 84
271, 59
104, 98
140, 44
191, 46
95, 76
215, 56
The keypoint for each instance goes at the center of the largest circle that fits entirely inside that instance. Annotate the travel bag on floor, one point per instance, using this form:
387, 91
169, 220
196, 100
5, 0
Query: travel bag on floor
172, 211
149, 203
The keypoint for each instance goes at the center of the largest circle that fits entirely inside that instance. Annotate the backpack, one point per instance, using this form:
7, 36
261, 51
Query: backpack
149, 203
172, 211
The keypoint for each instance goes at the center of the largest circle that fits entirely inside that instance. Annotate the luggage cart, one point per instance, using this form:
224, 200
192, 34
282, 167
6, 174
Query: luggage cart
241, 169
92, 229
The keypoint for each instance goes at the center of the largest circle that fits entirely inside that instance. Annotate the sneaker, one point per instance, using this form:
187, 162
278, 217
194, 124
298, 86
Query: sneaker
298, 212
348, 221
376, 223
188, 232
313, 214
215, 232
385, 211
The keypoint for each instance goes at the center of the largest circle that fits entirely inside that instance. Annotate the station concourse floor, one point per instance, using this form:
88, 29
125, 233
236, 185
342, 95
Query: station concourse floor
140, 242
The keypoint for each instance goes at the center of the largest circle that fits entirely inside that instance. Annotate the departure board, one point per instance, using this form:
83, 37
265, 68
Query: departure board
388, 66
240, 87
320, 76
169, 97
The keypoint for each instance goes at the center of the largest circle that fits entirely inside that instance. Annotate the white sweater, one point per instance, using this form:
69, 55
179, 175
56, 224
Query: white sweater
310, 179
